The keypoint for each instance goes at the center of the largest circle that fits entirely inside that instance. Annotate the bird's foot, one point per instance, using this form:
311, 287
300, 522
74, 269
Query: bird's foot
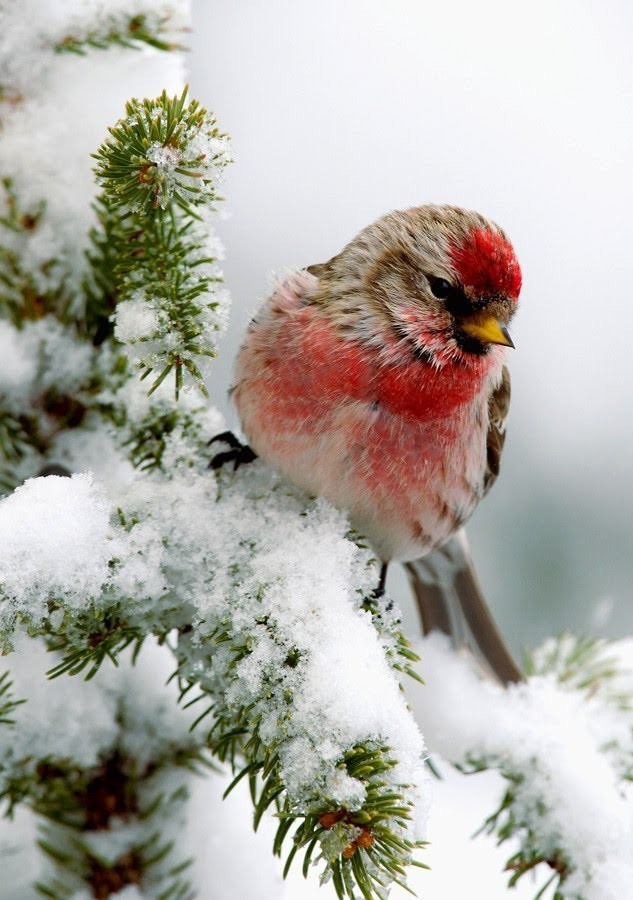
380, 589
238, 453
379, 592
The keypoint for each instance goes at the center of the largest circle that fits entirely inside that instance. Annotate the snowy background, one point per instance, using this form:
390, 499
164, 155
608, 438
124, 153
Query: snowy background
340, 112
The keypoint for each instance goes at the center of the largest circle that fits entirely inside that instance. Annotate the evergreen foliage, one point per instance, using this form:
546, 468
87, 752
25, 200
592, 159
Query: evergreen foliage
7, 702
26, 295
361, 849
585, 665
217, 567
159, 166
132, 32
77, 804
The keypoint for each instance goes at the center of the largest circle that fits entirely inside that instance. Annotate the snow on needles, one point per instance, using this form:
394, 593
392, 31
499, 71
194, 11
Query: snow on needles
31, 29
56, 544
262, 563
62, 719
201, 146
567, 752
52, 124
70, 719
68, 723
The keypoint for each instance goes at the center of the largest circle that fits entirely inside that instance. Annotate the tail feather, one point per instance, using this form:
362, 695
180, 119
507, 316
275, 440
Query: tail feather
451, 600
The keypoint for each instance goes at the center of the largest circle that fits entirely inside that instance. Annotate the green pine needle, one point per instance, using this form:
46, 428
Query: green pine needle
7, 703
133, 33
234, 738
130, 164
158, 170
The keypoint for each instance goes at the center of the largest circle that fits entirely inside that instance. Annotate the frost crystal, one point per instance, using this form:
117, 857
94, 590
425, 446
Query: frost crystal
200, 147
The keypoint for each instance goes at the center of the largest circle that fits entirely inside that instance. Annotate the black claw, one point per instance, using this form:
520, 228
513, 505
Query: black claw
380, 590
247, 455
226, 437
239, 454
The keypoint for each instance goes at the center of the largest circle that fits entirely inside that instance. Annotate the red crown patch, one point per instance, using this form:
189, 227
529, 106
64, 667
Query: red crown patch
486, 262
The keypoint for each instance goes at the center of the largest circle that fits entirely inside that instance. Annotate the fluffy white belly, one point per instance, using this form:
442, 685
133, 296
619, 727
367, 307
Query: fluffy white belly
407, 485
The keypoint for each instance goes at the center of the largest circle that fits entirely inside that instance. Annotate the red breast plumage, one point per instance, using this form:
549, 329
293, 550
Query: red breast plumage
385, 413
377, 379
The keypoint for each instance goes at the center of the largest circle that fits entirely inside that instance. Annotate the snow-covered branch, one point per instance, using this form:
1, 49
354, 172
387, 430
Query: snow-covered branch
56, 107
107, 766
286, 662
563, 740
155, 257
268, 594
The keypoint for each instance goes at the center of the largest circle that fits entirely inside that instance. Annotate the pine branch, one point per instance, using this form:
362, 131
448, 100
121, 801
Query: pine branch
22, 296
163, 150
581, 663
99, 286
7, 702
150, 441
132, 32
130, 783
113, 792
366, 848
252, 670
13, 438
20, 441
76, 803
46, 313
151, 259
386, 621
562, 671
508, 823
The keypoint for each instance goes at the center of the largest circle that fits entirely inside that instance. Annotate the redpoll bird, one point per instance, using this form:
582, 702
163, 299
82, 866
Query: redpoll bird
377, 380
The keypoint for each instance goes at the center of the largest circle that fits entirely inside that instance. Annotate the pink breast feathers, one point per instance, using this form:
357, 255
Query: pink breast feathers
419, 391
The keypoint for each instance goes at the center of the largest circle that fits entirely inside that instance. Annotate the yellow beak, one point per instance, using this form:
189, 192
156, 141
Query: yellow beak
488, 329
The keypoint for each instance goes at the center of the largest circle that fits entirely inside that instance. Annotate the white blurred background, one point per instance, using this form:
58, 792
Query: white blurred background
341, 111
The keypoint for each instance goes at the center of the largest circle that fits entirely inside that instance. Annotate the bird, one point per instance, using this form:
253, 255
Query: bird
379, 381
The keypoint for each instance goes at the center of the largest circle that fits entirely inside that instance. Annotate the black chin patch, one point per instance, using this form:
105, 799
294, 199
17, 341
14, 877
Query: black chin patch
470, 344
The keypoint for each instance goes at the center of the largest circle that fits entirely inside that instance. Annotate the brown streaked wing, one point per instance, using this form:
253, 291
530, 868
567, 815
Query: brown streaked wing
450, 599
318, 269
322, 270
498, 407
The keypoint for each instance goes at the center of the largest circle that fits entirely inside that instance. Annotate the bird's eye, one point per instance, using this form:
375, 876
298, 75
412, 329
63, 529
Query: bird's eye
440, 286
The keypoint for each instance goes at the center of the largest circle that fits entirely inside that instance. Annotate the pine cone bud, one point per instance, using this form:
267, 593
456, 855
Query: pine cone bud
365, 838
329, 819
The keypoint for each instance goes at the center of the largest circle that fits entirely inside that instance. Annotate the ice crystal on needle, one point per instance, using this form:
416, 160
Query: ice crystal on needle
197, 158
179, 154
